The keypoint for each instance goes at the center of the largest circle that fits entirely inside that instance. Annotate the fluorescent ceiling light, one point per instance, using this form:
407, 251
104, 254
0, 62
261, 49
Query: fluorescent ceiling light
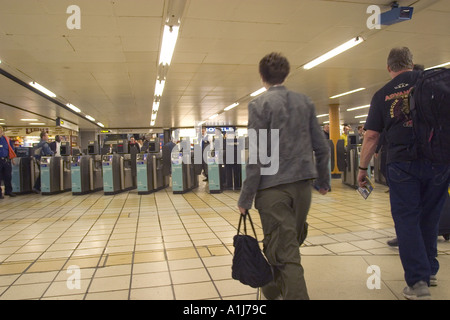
201, 122
101, 124
258, 92
364, 121
29, 120
37, 124
168, 44
439, 66
42, 89
155, 106
357, 108
361, 116
71, 106
322, 115
154, 115
90, 118
231, 106
214, 116
325, 122
159, 87
152, 123
2, 123
332, 53
347, 93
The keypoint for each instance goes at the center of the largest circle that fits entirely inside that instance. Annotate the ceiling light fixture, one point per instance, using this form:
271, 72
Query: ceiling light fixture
152, 123
213, 116
29, 120
71, 106
36, 124
322, 115
169, 41
258, 92
42, 89
90, 118
361, 116
332, 53
234, 105
439, 66
347, 93
159, 87
101, 124
357, 108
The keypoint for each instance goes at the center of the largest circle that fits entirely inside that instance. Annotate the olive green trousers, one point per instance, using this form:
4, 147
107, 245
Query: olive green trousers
283, 210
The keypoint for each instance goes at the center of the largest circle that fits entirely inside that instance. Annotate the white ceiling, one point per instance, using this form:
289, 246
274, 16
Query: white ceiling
108, 68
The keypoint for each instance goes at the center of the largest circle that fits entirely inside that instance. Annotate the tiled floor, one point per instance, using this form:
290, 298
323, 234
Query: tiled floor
166, 246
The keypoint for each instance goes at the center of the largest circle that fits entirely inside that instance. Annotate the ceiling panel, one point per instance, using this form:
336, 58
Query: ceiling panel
109, 67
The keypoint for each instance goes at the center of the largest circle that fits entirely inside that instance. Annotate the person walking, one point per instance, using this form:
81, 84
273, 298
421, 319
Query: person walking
417, 187
283, 198
6, 146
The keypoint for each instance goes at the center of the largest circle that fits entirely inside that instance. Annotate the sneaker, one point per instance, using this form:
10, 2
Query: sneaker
393, 242
11, 194
433, 281
419, 291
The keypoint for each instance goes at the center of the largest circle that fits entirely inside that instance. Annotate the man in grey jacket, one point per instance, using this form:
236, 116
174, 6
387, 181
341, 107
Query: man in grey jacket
283, 196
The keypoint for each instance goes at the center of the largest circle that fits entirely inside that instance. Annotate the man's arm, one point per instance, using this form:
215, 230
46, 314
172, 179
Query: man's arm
369, 146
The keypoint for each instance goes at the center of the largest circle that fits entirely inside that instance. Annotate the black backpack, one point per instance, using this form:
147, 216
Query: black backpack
250, 266
430, 112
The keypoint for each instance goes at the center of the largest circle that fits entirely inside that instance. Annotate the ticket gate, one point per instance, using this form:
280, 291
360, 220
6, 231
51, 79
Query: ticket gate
111, 174
95, 173
80, 175
66, 175
117, 173
23, 173
128, 177
51, 177
214, 181
150, 176
184, 175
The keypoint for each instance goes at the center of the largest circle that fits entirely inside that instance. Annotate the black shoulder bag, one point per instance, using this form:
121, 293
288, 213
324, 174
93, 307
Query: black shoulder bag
250, 266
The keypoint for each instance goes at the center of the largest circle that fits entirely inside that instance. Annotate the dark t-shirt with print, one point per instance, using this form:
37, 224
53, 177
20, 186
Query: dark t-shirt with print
389, 110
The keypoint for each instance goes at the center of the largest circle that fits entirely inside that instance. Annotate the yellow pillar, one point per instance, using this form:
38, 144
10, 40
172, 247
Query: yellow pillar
334, 131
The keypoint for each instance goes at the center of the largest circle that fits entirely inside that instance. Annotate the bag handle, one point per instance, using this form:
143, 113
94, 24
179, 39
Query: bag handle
244, 217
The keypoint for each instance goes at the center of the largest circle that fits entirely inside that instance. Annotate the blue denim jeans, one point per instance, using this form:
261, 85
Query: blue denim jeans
418, 191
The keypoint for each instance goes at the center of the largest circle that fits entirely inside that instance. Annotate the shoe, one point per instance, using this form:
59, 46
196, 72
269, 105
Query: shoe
419, 291
393, 242
11, 194
433, 281
36, 191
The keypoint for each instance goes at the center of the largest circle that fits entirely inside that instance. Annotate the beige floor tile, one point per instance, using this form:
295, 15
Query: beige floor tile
195, 291
110, 283
110, 295
182, 253
25, 291
184, 264
46, 265
189, 276
220, 273
155, 293
64, 288
154, 279
113, 271
28, 278
233, 287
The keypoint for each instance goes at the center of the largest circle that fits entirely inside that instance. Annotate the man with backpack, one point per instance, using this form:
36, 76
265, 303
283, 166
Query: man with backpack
41, 150
417, 182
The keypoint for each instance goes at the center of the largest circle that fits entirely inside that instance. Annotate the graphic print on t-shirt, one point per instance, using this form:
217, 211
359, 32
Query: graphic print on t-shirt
399, 108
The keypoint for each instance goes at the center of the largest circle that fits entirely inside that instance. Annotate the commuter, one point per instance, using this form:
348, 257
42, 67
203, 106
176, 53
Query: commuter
133, 144
55, 146
361, 133
326, 131
43, 150
6, 145
283, 199
344, 134
417, 187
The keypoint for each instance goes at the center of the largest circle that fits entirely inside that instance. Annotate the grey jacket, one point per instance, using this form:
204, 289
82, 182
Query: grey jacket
303, 151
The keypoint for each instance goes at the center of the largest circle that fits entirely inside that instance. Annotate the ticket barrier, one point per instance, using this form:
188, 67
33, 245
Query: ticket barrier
23, 173
117, 173
184, 172
86, 174
55, 175
150, 176
214, 181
